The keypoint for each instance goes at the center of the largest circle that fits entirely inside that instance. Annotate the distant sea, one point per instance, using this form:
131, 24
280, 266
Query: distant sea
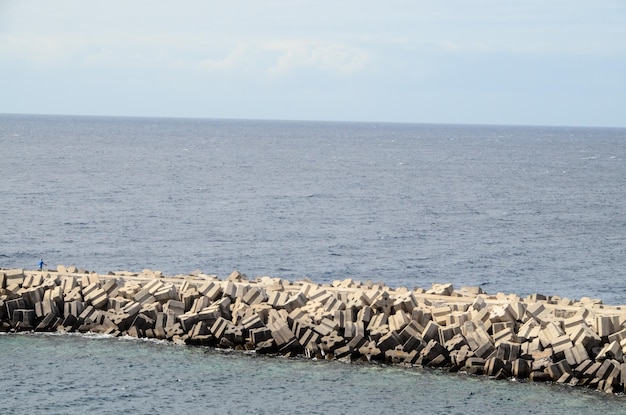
511, 209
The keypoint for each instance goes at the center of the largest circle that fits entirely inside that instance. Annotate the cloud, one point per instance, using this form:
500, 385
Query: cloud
324, 56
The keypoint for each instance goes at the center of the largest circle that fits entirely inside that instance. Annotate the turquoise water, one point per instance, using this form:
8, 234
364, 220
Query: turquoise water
73, 374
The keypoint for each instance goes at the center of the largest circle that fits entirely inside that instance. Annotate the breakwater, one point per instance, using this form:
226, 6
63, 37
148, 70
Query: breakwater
579, 343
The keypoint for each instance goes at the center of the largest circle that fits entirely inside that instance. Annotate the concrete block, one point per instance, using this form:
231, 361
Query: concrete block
259, 335
23, 319
31, 296
494, 365
604, 326
618, 336
586, 336
576, 355
484, 350
556, 370
606, 368
431, 331
13, 279
331, 342
502, 313
165, 293
49, 323
398, 321
440, 314
294, 302
369, 351
377, 321
421, 317
254, 296
199, 304
12, 305
389, 341
447, 333
212, 289
508, 351
456, 342
475, 365
441, 289
405, 302
235, 334
132, 308
219, 327
434, 354
174, 307
611, 350
500, 326
365, 315
520, 369
529, 330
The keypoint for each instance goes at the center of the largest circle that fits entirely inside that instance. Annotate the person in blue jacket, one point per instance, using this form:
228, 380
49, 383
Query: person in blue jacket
41, 264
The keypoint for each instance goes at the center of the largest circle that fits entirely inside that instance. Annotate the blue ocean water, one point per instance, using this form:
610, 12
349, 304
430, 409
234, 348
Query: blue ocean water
509, 208
513, 209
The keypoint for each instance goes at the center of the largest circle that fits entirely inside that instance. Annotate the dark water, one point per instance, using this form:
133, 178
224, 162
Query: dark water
513, 209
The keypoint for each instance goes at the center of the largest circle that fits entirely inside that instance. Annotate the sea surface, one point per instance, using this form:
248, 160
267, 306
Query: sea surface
511, 209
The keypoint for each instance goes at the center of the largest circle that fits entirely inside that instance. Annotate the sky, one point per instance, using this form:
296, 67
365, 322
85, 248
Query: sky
530, 62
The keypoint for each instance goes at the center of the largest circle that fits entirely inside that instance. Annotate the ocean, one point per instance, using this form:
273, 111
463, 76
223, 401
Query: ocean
511, 209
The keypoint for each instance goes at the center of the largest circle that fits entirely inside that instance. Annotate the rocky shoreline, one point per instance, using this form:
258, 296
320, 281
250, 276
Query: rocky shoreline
537, 338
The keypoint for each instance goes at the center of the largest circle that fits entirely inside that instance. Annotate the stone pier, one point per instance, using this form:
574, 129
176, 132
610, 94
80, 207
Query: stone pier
537, 338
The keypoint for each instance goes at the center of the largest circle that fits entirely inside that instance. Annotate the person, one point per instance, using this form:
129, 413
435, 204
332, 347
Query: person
41, 264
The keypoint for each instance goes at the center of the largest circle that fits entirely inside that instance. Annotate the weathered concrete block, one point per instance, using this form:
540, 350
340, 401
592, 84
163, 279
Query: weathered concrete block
440, 314
13, 279
295, 302
365, 315
132, 308
556, 370
23, 319
398, 321
494, 365
259, 335
219, 327
502, 313
12, 305
32, 296
235, 334
604, 326
520, 369
369, 351
73, 307
611, 350
281, 333
254, 296
475, 365
213, 290
188, 320
456, 342
431, 331
174, 307
252, 322
447, 333
618, 336
49, 323
389, 341
165, 293
434, 354
441, 289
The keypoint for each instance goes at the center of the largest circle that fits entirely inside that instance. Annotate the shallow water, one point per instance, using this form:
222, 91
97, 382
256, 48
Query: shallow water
73, 374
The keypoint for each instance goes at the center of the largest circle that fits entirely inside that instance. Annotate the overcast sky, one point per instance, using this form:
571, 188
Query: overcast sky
533, 62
